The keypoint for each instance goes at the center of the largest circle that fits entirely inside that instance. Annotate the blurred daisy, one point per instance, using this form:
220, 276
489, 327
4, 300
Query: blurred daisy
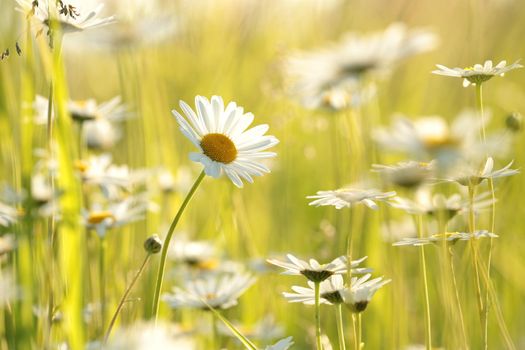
198, 254
346, 197
282, 344
266, 329
478, 73
45, 196
100, 134
314, 271
450, 237
7, 243
8, 215
361, 291
116, 214
329, 292
217, 291
225, 144
75, 16
150, 336
316, 75
468, 175
409, 174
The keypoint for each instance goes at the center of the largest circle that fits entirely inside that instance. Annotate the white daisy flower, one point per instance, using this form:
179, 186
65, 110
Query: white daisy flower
8, 215
409, 174
315, 75
217, 291
478, 73
75, 16
265, 330
225, 144
316, 272
450, 237
346, 197
283, 344
199, 254
329, 291
116, 214
150, 336
468, 175
361, 291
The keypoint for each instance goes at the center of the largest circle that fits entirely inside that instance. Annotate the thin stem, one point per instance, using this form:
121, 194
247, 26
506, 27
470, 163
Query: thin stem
458, 300
124, 296
317, 315
102, 277
472, 228
354, 326
164, 253
340, 329
428, 322
359, 331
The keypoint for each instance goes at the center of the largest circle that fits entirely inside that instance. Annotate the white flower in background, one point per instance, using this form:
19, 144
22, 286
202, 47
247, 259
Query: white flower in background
8, 215
225, 144
478, 73
468, 175
7, 243
116, 214
45, 197
433, 137
346, 197
150, 336
283, 344
450, 237
100, 134
409, 174
438, 204
329, 291
313, 76
199, 254
219, 291
180, 182
393, 231
361, 291
314, 271
265, 330
100, 171
71, 15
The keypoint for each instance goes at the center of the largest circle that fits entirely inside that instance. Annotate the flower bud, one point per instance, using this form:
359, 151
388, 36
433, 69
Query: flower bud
514, 122
153, 244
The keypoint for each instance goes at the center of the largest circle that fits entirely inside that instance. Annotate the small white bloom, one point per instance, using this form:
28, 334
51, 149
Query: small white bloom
282, 344
8, 215
409, 174
346, 197
76, 18
199, 254
361, 291
478, 73
225, 144
218, 291
314, 271
450, 237
468, 175
329, 290
150, 336
265, 330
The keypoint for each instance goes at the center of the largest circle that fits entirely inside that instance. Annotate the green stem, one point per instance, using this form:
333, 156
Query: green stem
164, 253
124, 296
472, 228
428, 322
458, 300
359, 331
354, 326
317, 315
340, 329
102, 277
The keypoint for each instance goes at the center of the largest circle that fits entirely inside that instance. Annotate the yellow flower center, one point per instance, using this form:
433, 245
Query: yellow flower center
219, 148
210, 264
81, 166
439, 141
97, 217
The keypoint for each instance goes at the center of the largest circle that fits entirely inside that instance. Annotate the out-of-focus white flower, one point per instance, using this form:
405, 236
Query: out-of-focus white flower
316, 272
315, 76
361, 291
217, 290
100, 134
282, 344
73, 16
468, 175
266, 329
449, 237
329, 291
226, 146
478, 73
199, 254
151, 336
8, 215
409, 174
346, 197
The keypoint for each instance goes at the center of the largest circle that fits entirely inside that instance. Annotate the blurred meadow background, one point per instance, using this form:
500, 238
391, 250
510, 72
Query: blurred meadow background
61, 282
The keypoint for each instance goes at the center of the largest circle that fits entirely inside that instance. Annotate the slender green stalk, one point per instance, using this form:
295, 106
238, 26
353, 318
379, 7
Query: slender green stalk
124, 296
340, 328
428, 322
359, 331
165, 246
458, 300
102, 280
354, 327
318, 315
473, 247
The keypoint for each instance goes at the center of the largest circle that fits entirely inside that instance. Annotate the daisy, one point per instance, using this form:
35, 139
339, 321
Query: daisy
409, 174
346, 197
478, 73
199, 254
74, 16
329, 291
8, 215
468, 175
361, 291
312, 75
450, 237
314, 271
283, 344
226, 146
266, 329
217, 291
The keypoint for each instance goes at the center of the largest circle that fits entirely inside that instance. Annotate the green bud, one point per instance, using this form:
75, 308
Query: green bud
153, 244
514, 122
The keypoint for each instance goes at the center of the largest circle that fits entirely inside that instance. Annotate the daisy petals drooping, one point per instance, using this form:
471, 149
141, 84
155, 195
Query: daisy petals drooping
478, 73
226, 144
